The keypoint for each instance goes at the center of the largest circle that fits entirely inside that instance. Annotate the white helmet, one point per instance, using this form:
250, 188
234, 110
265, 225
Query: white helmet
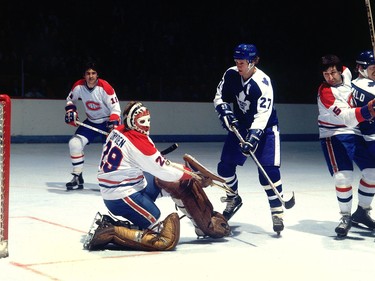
137, 117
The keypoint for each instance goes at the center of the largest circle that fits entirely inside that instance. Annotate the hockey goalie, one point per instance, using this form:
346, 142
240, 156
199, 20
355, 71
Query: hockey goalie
191, 200
132, 174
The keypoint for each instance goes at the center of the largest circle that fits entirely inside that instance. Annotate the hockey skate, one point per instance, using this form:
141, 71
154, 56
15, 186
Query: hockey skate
116, 222
361, 217
101, 231
234, 203
344, 226
96, 224
278, 223
77, 180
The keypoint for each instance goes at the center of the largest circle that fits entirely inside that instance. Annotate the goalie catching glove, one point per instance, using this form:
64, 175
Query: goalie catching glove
194, 203
191, 199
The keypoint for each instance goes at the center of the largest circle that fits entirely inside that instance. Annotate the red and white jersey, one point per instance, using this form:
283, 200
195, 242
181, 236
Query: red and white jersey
99, 102
126, 155
336, 112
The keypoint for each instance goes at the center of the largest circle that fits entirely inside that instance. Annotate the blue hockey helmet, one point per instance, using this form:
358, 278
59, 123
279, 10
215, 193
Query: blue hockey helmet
245, 52
365, 59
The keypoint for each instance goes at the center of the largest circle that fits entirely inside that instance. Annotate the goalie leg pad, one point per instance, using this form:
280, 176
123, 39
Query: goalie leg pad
197, 207
141, 240
149, 240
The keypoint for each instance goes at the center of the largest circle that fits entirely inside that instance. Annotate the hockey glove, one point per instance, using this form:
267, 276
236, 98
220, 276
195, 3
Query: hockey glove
251, 141
71, 115
114, 121
368, 110
226, 116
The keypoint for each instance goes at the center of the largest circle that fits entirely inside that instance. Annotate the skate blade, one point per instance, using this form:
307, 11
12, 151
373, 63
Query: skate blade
361, 226
79, 187
91, 232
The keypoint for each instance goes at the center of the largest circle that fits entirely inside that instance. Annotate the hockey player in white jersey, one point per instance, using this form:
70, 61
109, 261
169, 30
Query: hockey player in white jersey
342, 144
250, 91
102, 110
129, 164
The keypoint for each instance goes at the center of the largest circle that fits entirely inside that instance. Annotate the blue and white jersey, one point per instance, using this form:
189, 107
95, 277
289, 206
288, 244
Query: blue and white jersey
363, 92
253, 100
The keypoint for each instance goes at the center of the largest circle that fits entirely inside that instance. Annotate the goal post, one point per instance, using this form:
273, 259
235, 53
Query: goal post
5, 115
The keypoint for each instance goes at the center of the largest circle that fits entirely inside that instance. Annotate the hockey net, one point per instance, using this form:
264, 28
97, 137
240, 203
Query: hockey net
5, 110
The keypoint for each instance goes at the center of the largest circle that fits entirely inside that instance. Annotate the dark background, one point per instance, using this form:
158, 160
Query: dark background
174, 50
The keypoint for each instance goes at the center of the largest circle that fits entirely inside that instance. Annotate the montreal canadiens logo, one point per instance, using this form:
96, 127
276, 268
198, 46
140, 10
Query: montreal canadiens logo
93, 105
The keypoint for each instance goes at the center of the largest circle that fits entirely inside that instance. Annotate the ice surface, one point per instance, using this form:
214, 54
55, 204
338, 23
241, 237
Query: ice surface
48, 225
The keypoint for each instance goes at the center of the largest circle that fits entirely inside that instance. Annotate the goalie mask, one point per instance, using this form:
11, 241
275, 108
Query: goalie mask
137, 117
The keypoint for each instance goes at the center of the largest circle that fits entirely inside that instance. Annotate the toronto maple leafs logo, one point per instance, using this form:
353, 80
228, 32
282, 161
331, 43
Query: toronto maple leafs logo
243, 104
265, 81
371, 84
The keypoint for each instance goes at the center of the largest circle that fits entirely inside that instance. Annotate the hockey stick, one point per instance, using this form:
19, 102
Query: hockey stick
164, 152
92, 128
370, 23
169, 149
287, 204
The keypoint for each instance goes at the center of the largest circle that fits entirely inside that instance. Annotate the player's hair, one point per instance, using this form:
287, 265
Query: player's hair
90, 65
328, 61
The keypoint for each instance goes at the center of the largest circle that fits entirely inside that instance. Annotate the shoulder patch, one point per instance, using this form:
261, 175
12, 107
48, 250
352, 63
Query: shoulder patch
326, 95
142, 142
106, 86
78, 83
265, 81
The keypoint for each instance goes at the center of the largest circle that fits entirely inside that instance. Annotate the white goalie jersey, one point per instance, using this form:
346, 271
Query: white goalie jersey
337, 114
126, 155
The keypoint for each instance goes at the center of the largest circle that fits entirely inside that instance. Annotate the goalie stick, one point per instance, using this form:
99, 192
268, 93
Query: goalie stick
287, 204
194, 175
163, 152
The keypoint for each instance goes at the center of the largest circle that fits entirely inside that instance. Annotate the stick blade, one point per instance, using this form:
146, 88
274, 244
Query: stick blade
290, 203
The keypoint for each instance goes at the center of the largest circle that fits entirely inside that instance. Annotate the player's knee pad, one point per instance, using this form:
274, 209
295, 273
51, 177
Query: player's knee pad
226, 170
343, 178
368, 175
76, 144
273, 173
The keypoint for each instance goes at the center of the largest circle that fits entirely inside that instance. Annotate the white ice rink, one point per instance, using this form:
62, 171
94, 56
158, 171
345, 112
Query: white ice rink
48, 225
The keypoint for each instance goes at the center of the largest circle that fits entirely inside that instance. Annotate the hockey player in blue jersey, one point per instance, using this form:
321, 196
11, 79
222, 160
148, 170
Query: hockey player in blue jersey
250, 92
363, 88
364, 92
